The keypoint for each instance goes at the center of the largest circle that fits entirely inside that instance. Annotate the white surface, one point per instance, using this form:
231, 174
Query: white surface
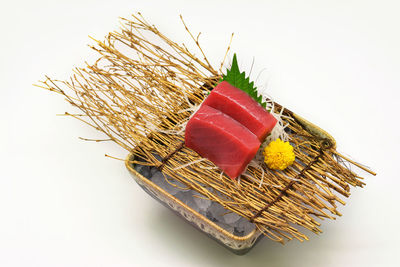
62, 203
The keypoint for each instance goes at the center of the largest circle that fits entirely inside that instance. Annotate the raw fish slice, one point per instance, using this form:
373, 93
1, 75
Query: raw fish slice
241, 107
221, 139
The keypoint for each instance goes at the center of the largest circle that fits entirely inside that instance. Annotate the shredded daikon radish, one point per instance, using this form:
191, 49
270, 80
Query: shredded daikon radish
209, 168
290, 178
154, 128
221, 174
254, 180
257, 165
277, 132
187, 99
184, 110
188, 164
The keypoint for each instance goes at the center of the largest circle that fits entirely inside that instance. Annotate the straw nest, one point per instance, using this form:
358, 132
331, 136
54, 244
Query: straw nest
141, 92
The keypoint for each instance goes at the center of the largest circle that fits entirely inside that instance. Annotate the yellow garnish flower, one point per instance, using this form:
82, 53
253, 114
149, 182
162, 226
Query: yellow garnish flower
278, 154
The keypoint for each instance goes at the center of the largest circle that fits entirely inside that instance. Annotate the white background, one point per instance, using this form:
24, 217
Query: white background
62, 203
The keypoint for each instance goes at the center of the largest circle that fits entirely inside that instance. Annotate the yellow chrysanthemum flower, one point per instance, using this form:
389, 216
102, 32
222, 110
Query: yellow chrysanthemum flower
278, 154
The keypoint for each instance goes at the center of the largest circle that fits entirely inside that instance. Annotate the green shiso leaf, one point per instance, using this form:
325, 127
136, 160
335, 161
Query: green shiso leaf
239, 80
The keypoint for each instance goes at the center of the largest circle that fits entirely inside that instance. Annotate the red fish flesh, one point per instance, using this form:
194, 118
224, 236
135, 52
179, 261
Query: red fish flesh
221, 139
242, 108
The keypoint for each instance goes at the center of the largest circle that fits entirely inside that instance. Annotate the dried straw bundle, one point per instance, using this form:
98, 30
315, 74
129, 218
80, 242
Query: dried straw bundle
141, 93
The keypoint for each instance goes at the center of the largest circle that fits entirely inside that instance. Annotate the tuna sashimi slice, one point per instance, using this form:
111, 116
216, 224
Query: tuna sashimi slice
241, 107
221, 139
